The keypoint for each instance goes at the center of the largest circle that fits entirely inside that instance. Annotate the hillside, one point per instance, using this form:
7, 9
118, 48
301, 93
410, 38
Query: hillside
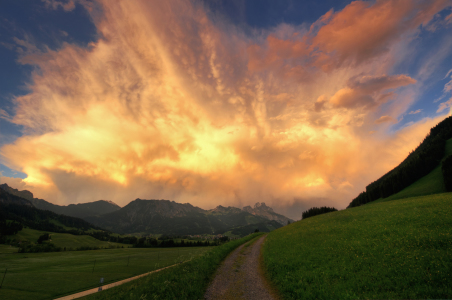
74, 210
432, 183
392, 250
419, 163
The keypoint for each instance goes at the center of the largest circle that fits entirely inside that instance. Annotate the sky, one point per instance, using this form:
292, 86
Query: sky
221, 102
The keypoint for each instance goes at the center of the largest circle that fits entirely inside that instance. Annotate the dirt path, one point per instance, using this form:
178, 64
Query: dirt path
240, 276
108, 286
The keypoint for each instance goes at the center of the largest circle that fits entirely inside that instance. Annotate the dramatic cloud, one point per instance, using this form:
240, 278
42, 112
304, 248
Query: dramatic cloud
170, 104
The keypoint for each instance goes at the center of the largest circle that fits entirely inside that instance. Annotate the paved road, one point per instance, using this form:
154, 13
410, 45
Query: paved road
240, 276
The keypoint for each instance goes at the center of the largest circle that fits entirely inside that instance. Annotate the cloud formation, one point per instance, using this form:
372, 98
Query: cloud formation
198, 111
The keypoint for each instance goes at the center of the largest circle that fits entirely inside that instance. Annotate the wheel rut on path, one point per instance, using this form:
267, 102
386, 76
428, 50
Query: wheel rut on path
240, 276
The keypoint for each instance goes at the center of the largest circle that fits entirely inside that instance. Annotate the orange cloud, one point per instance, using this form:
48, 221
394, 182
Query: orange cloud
385, 119
198, 112
366, 91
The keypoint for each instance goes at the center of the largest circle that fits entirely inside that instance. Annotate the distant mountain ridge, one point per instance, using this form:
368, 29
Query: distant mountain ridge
80, 210
162, 216
169, 217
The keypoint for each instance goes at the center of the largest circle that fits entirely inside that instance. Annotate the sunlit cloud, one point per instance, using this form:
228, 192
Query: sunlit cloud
414, 112
171, 104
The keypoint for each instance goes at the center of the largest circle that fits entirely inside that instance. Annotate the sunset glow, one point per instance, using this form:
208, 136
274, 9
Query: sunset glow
175, 101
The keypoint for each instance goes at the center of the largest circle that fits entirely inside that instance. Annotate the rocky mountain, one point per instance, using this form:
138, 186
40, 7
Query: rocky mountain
80, 210
262, 210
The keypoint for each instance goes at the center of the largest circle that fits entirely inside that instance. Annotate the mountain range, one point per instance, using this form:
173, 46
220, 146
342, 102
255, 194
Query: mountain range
162, 216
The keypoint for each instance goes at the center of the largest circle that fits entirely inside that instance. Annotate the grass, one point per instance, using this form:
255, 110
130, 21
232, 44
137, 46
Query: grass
185, 281
63, 239
50, 275
7, 249
396, 249
432, 183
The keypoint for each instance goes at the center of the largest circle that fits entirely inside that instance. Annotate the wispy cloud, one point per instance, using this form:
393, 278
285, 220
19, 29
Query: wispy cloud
414, 112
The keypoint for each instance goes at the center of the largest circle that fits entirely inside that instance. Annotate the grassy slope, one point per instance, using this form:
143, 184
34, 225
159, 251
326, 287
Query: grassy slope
432, 183
396, 249
48, 275
185, 281
63, 239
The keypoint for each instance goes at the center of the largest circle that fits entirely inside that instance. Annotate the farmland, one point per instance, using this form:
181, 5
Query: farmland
48, 275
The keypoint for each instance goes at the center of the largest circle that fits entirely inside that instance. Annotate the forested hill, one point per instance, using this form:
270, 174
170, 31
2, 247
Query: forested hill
419, 163
18, 209
80, 210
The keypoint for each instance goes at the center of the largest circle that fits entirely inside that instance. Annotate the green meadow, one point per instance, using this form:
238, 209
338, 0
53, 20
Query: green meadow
53, 274
396, 249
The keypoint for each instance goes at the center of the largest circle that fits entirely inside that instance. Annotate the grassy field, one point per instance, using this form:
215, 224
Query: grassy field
63, 239
185, 281
398, 249
48, 275
432, 183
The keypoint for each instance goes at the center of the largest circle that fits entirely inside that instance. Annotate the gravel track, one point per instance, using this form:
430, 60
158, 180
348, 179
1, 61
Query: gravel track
240, 276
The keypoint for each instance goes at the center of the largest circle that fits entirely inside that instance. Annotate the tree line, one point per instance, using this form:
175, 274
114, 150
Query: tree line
167, 243
419, 163
314, 211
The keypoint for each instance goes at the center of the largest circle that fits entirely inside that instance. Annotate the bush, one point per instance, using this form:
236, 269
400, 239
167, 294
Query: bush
44, 237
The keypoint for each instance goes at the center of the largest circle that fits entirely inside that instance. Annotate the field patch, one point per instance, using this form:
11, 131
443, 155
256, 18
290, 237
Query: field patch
63, 240
395, 249
55, 274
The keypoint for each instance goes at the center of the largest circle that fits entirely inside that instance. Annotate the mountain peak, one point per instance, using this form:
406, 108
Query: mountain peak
261, 209
262, 206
